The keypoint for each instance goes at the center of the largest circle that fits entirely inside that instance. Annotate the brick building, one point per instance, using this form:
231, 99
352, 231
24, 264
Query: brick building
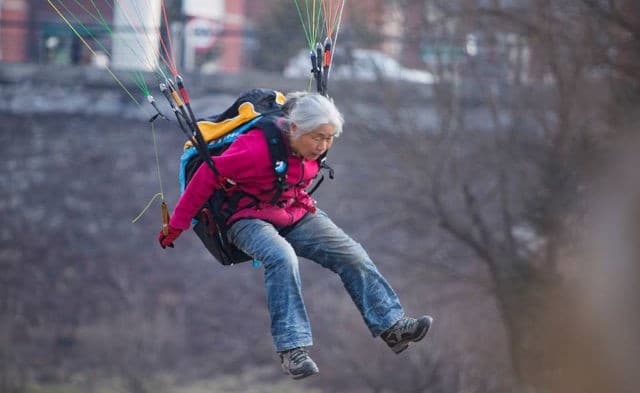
14, 15
31, 31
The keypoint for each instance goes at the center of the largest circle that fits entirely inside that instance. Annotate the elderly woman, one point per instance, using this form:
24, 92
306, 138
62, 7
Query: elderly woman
311, 124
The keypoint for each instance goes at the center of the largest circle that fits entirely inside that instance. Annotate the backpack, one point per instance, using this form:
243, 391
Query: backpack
257, 108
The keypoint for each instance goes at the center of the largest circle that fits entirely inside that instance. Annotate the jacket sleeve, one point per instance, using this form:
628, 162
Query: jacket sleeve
236, 163
195, 194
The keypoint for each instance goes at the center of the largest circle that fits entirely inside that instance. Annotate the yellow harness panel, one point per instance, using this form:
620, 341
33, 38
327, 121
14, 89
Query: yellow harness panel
246, 111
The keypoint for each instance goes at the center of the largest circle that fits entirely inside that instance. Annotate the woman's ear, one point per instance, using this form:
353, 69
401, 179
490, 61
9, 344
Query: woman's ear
293, 128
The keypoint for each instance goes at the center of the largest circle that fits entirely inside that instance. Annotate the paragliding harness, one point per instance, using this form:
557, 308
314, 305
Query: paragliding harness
257, 108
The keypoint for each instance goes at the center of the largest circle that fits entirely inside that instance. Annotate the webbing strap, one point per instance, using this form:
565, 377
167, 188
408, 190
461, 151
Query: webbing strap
278, 154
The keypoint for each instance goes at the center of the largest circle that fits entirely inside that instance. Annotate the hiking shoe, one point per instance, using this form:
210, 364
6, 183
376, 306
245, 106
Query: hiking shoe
297, 363
406, 331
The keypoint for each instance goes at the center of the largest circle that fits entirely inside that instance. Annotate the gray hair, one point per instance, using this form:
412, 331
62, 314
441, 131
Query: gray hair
311, 110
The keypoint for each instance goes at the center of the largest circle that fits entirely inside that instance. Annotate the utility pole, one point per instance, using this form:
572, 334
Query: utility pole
136, 34
176, 26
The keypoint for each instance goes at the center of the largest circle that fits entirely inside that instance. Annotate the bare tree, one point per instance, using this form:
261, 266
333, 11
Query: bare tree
506, 194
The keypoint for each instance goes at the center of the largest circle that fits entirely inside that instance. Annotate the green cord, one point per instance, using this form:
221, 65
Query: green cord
161, 193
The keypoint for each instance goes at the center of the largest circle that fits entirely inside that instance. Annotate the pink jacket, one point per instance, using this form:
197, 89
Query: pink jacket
247, 162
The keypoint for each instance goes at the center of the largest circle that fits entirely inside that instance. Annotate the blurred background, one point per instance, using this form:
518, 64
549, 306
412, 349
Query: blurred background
488, 165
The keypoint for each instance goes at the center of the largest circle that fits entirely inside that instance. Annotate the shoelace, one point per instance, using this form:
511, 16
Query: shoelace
297, 355
404, 325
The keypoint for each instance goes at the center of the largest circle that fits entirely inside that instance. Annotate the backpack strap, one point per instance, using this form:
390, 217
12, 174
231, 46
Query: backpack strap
278, 154
322, 163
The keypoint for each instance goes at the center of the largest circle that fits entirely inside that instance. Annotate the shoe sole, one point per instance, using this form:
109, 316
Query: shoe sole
404, 345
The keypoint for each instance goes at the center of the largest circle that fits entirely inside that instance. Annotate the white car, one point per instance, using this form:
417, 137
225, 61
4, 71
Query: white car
366, 65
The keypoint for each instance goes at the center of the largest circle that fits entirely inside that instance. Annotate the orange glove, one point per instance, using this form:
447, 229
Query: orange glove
167, 240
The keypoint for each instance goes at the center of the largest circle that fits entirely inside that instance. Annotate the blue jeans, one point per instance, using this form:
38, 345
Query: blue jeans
317, 238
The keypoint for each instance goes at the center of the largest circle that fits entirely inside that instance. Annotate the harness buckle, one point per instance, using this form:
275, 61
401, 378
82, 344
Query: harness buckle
227, 184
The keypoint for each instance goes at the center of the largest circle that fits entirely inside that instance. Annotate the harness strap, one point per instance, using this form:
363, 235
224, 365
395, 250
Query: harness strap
233, 202
323, 165
277, 153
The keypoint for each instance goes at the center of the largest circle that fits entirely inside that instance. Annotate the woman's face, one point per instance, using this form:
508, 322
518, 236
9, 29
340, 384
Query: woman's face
313, 144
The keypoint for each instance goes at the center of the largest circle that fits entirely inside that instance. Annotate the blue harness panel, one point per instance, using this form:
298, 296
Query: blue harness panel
191, 152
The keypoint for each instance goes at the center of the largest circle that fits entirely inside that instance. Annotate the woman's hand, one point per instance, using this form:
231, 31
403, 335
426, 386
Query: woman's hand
168, 239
